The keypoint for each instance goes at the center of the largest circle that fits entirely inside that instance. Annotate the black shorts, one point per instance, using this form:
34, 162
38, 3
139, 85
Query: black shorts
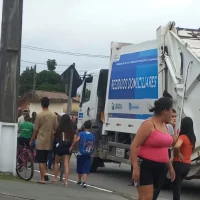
152, 173
23, 141
42, 156
62, 150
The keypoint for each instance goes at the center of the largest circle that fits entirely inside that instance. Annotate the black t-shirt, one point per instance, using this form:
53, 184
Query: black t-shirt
74, 127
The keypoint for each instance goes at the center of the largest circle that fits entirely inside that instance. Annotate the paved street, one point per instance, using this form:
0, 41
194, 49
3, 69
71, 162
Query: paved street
117, 179
8, 197
111, 183
16, 190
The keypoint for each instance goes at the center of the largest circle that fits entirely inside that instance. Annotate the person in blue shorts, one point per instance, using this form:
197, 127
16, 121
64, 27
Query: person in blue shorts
86, 144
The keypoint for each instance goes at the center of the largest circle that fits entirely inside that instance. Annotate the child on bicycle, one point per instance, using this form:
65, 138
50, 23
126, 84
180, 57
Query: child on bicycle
25, 132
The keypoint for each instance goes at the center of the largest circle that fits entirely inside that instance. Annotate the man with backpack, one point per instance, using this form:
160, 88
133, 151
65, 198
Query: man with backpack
86, 145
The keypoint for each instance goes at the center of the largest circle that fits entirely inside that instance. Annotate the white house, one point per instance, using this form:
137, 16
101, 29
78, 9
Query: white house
58, 101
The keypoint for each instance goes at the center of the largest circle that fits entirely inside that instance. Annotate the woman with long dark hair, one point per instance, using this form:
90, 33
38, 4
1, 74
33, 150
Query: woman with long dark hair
182, 154
64, 137
149, 151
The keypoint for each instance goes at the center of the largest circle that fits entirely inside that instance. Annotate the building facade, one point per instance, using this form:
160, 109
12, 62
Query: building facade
58, 102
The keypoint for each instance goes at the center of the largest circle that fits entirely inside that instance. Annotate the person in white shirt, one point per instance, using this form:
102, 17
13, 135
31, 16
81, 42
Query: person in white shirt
172, 124
20, 117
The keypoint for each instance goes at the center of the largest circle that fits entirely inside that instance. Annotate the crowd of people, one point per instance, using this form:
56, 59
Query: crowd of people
157, 151
151, 151
54, 137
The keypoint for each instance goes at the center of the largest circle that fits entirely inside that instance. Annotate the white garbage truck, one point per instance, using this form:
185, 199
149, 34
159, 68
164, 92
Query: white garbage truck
117, 100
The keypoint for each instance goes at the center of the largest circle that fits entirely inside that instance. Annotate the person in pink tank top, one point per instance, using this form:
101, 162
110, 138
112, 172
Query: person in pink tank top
149, 151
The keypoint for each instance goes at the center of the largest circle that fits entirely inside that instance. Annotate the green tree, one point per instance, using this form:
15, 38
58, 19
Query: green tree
51, 64
49, 81
26, 81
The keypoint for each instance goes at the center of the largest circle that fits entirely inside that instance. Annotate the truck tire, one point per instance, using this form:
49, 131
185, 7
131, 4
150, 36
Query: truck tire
94, 165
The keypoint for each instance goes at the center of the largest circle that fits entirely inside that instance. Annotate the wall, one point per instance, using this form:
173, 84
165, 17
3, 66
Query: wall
54, 107
75, 107
24, 104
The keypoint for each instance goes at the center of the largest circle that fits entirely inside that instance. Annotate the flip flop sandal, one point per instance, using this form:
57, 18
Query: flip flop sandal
65, 184
40, 182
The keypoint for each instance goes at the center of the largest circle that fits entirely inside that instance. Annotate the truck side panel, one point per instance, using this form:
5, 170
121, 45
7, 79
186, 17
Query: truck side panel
133, 88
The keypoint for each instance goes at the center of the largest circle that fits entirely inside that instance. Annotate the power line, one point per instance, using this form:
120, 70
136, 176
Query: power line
79, 70
40, 63
63, 65
63, 52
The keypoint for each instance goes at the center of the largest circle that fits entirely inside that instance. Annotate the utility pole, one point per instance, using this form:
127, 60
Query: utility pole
34, 82
68, 90
69, 100
11, 31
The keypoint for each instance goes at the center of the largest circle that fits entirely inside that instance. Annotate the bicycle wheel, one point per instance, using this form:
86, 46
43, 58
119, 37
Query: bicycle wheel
25, 166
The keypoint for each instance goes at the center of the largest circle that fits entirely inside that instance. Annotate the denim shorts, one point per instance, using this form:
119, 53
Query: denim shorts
83, 164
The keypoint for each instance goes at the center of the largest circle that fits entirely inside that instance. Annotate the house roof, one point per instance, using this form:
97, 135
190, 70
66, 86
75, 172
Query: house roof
53, 96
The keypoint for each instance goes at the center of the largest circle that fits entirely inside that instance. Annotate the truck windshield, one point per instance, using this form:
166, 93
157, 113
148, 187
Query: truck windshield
87, 89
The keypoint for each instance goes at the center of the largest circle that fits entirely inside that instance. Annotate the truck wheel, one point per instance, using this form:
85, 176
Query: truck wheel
94, 165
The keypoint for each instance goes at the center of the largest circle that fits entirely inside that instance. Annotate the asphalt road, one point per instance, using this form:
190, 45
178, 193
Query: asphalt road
7, 197
118, 178
21, 190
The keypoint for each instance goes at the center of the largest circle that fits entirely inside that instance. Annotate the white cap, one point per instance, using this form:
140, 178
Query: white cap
61, 114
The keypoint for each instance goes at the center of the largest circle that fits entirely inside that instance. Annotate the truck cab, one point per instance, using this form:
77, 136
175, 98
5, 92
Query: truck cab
93, 97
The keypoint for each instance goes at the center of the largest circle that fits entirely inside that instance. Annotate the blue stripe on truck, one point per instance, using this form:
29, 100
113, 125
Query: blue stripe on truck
129, 116
135, 76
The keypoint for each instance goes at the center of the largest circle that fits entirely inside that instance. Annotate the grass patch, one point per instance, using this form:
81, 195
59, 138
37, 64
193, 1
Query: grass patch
9, 177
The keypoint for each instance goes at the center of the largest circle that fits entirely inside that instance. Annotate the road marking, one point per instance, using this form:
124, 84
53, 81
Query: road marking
97, 188
11, 195
162, 199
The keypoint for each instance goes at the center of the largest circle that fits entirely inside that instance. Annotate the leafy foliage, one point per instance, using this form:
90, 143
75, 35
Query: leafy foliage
47, 80
51, 64
26, 80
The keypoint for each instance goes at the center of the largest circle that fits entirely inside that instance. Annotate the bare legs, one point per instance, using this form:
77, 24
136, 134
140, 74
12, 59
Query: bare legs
67, 160
145, 192
57, 160
66, 169
42, 167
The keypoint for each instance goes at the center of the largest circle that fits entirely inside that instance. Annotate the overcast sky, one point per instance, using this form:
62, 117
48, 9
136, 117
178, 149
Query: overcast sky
89, 26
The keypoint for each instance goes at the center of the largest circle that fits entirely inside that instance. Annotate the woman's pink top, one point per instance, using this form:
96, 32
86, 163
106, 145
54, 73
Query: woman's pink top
156, 146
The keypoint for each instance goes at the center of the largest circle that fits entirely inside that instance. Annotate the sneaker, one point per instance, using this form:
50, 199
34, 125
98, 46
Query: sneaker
79, 183
84, 185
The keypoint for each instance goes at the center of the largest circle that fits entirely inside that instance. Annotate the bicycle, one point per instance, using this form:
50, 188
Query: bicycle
24, 161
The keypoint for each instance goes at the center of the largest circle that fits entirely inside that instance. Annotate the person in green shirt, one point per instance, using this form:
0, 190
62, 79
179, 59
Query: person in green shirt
25, 131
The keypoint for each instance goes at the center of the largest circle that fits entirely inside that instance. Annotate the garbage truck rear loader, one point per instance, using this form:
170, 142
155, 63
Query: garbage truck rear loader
117, 100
